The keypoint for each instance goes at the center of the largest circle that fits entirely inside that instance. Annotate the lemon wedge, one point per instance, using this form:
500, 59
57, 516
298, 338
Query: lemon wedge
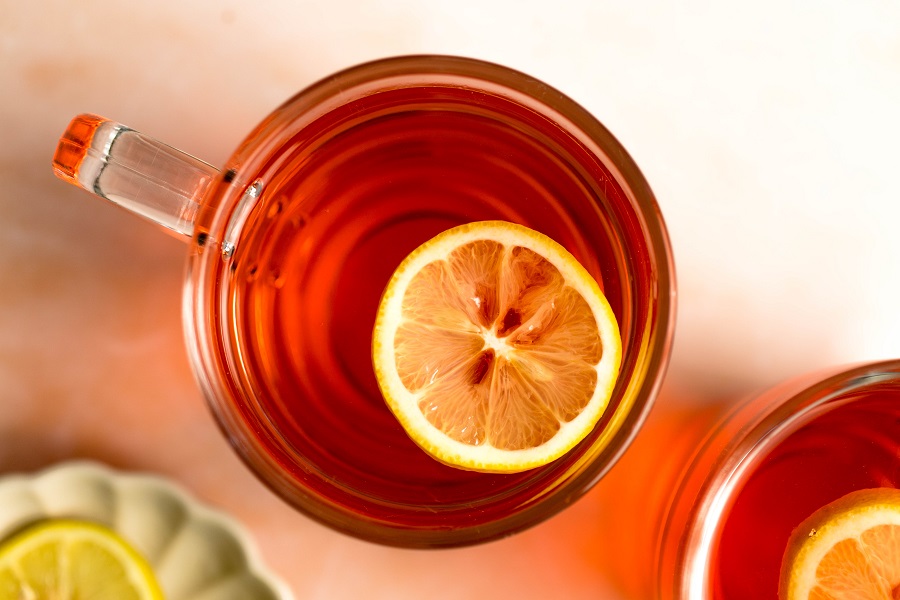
62, 559
850, 548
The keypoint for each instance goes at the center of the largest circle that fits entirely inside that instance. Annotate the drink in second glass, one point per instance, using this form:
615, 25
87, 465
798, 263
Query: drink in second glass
707, 500
292, 243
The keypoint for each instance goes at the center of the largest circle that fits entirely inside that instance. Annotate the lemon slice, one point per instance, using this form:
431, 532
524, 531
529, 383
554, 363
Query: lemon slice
847, 549
67, 559
494, 348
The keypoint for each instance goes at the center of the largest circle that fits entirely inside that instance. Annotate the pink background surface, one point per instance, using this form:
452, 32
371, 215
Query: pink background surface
767, 130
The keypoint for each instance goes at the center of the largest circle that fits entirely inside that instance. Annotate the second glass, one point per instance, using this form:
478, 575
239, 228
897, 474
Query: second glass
293, 241
708, 498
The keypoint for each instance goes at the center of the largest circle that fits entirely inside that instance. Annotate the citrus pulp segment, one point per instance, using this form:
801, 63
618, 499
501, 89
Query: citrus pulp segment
850, 548
495, 349
62, 558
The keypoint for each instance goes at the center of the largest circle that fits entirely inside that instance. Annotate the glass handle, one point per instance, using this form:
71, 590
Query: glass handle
147, 177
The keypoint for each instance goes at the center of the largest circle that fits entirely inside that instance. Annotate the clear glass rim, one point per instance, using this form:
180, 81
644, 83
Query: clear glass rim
776, 413
657, 328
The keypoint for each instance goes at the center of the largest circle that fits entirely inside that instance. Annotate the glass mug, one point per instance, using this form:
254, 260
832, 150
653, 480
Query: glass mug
713, 494
293, 241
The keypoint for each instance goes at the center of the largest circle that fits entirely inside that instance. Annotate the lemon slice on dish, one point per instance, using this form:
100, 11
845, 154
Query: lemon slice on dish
70, 559
847, 549
495, 348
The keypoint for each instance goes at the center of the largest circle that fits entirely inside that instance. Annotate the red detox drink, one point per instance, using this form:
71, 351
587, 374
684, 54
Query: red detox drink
723, 494
853, 443
294, 278
328, 233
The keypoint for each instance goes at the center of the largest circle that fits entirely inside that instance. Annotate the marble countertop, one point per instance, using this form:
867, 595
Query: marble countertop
767, 130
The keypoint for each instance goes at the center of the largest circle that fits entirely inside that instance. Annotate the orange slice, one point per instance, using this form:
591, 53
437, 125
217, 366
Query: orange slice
847, 549
494, 348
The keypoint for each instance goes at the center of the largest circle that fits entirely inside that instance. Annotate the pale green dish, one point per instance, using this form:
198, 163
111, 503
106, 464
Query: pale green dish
197, 553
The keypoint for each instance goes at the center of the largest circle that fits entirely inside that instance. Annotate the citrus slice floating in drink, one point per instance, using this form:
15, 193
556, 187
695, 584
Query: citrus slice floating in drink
62, 558
847, 549
495, 348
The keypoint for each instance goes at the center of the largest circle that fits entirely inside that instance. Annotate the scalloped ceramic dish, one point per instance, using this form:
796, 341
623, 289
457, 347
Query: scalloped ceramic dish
196, 553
